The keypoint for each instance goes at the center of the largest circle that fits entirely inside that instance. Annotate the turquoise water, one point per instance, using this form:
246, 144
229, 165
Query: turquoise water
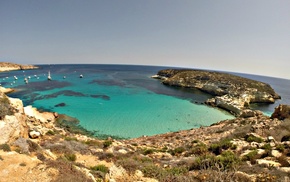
114, 100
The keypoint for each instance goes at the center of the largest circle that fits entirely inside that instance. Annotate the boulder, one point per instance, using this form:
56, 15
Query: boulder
13, 127
34, 134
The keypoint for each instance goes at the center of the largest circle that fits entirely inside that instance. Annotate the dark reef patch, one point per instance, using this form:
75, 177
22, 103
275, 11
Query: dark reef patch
104, 97
43, 85
60, 105
63, 92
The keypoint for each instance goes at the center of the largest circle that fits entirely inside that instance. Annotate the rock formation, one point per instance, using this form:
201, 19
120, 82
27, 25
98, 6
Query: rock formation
4, 66
232, 93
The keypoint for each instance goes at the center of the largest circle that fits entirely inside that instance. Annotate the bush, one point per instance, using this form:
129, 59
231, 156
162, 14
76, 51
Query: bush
224, 144
267, 147
101, 168
107, 143
227, 160
199, 149
50, 132
280, 148
251, 138
5, 147
251, 156
70, 157
177, 151
148, 151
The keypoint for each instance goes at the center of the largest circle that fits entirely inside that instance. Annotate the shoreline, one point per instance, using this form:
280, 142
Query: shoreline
46, 152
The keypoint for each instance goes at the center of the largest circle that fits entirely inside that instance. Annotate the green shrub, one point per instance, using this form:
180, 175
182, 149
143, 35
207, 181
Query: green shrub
251, 156
148, 151
5, 147
70, 157
101, 168
50, 132
107, 143
280, 148
177, 151
203, 162
224, 144
227, 160
199, 149
251, 138
267, 146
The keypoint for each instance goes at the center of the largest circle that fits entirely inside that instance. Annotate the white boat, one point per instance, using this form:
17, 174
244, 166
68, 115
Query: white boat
48, 76
26, 80
81, 76
15, 77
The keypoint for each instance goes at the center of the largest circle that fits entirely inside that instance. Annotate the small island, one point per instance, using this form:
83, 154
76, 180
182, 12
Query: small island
232, 93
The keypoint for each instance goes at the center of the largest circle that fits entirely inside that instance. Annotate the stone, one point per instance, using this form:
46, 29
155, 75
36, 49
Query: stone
269, 163
13, 127
276, 153
34, 134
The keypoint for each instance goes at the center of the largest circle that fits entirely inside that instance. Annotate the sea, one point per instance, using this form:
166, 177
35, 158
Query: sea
123, 101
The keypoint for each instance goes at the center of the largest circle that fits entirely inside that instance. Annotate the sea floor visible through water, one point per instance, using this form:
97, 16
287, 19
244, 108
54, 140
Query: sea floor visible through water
120, 100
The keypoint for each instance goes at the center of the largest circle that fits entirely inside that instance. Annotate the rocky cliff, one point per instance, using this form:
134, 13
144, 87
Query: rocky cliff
4, 66
230, 92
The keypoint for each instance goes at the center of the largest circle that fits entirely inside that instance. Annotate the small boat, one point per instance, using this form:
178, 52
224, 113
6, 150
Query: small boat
81, 76
15, 77
64, 77
48, 76
26, 80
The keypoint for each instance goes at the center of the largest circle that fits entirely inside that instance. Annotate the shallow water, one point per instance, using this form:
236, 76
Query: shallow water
116, 100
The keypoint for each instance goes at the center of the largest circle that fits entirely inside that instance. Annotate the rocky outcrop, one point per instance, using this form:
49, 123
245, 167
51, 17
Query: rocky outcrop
13, 123
4, 66
17, 121
232, 93
281, 112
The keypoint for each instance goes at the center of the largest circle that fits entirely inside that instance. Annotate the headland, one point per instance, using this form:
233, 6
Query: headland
232, 93
6, 66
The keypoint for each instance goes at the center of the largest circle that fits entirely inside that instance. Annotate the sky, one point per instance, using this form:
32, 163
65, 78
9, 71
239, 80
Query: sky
247, 36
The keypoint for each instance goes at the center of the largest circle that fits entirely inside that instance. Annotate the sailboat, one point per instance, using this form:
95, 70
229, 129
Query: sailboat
48, 76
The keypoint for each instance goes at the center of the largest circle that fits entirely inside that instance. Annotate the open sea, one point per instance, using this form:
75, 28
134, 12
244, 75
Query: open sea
123, 100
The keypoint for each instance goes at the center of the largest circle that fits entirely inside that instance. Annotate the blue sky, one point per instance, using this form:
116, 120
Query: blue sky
249, 36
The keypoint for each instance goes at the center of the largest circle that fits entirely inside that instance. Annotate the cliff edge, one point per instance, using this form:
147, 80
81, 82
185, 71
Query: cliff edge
231, 92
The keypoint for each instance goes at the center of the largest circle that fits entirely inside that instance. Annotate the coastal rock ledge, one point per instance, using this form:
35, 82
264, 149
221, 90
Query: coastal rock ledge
232, 93
4, 66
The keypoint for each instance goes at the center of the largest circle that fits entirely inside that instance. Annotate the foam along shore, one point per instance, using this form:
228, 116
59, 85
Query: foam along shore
5, 66
231, 92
